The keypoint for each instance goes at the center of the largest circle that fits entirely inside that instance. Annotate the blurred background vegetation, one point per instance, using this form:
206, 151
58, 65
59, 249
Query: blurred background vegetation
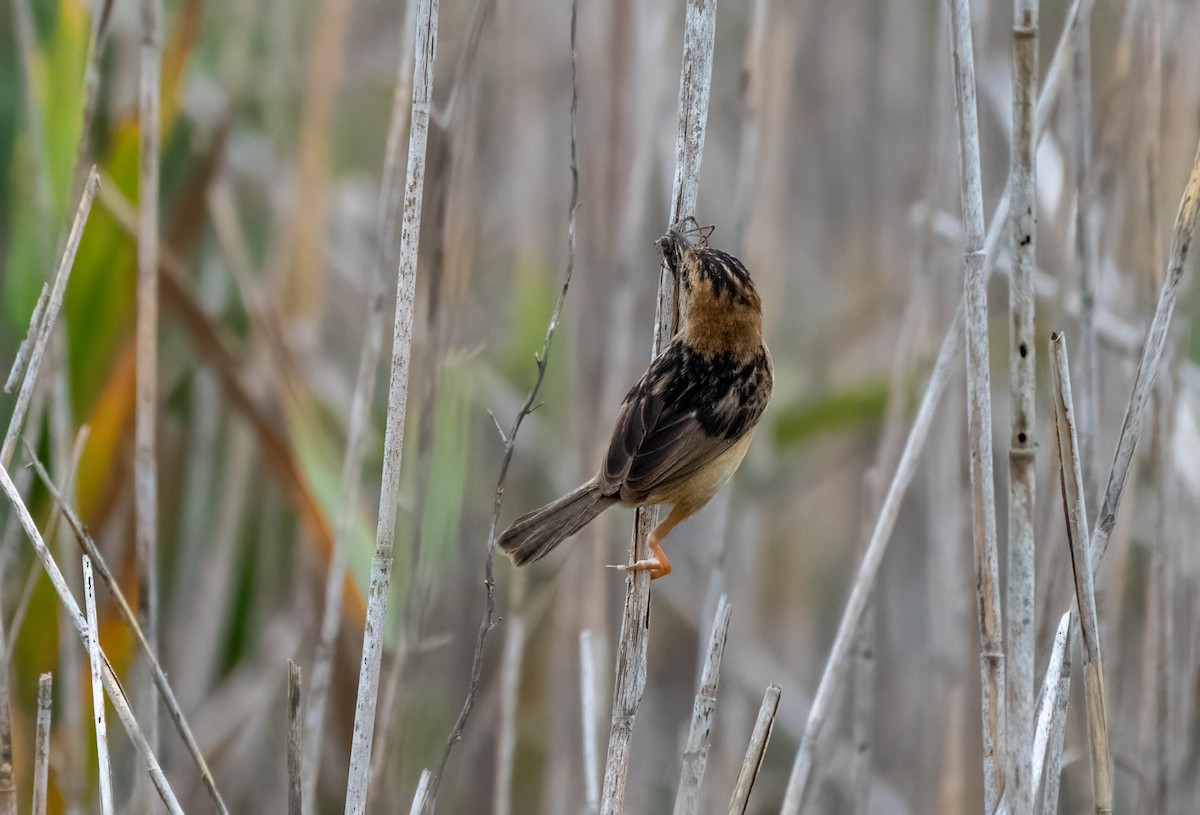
830, 167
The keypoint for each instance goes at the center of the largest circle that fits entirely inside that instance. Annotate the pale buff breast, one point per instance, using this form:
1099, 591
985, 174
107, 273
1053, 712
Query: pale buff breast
696, 491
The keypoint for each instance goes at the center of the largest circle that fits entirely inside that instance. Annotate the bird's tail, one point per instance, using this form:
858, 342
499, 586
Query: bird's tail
532, 536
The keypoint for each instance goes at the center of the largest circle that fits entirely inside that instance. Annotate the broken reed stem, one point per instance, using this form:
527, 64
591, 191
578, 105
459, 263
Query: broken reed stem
979, 418
1156, 338
1075, 509
295, 754
864, 580
488, 621
381, 563
755, 751
695, 749
1022, 478
93, 649
40, 333
166, 692
145, 462
41, 755
360, 414
695, 82
1056, 695
590, 710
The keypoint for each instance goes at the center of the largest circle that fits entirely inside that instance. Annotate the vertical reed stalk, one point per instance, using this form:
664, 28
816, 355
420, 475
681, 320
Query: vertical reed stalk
695, 83
695, 748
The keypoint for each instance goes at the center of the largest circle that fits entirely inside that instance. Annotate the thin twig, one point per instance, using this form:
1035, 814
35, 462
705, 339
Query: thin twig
93, 648
360, 410
49, 316
1075, 509
41, 755
864, 580
145, 462
1052, 715
1022, 477
695, 749
165, 690
295, 754
695, 83
1156, 338
111, 684
381, 562
590, 711
979, 419
488, 620
755, 751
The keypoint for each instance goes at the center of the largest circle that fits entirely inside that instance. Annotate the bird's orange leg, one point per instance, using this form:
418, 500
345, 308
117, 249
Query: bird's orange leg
657, 564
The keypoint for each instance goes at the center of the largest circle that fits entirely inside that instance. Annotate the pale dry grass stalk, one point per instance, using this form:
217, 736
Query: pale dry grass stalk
381, 563
864, 580
145, 459
700, 25
1052, 715
1156, 338
8, 784
421, 796
167, 693
360, 410
695, 748
1022, 477
93, 649
590, 711
39, 333
41, 755
755, 751
295, 752
979, 419
1086, 246
109, 677
488, 620
515, 636
1075, 508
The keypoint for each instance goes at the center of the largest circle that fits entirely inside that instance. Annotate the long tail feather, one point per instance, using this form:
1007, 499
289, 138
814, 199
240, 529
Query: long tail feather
531, 537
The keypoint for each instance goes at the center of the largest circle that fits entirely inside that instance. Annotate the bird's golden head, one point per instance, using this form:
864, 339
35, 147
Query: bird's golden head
720, 309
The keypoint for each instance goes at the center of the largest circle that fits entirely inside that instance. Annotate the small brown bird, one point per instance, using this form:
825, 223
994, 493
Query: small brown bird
685, 426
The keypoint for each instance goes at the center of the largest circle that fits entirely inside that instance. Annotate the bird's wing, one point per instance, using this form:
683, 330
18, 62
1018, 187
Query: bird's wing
683, 413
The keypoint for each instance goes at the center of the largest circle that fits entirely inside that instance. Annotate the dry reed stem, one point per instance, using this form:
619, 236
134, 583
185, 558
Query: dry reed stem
295, 753
98, 36
45, 326
695, 749
167, 693
700, 25
381, 562
8, 784
93, 649
360, 410
109, 677
864, 580
506, 731
1075, 509
755, 751
145, 462
590, 711
488, 620
17, 373
1022, 479
979, 419
1156, 337
41, 755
